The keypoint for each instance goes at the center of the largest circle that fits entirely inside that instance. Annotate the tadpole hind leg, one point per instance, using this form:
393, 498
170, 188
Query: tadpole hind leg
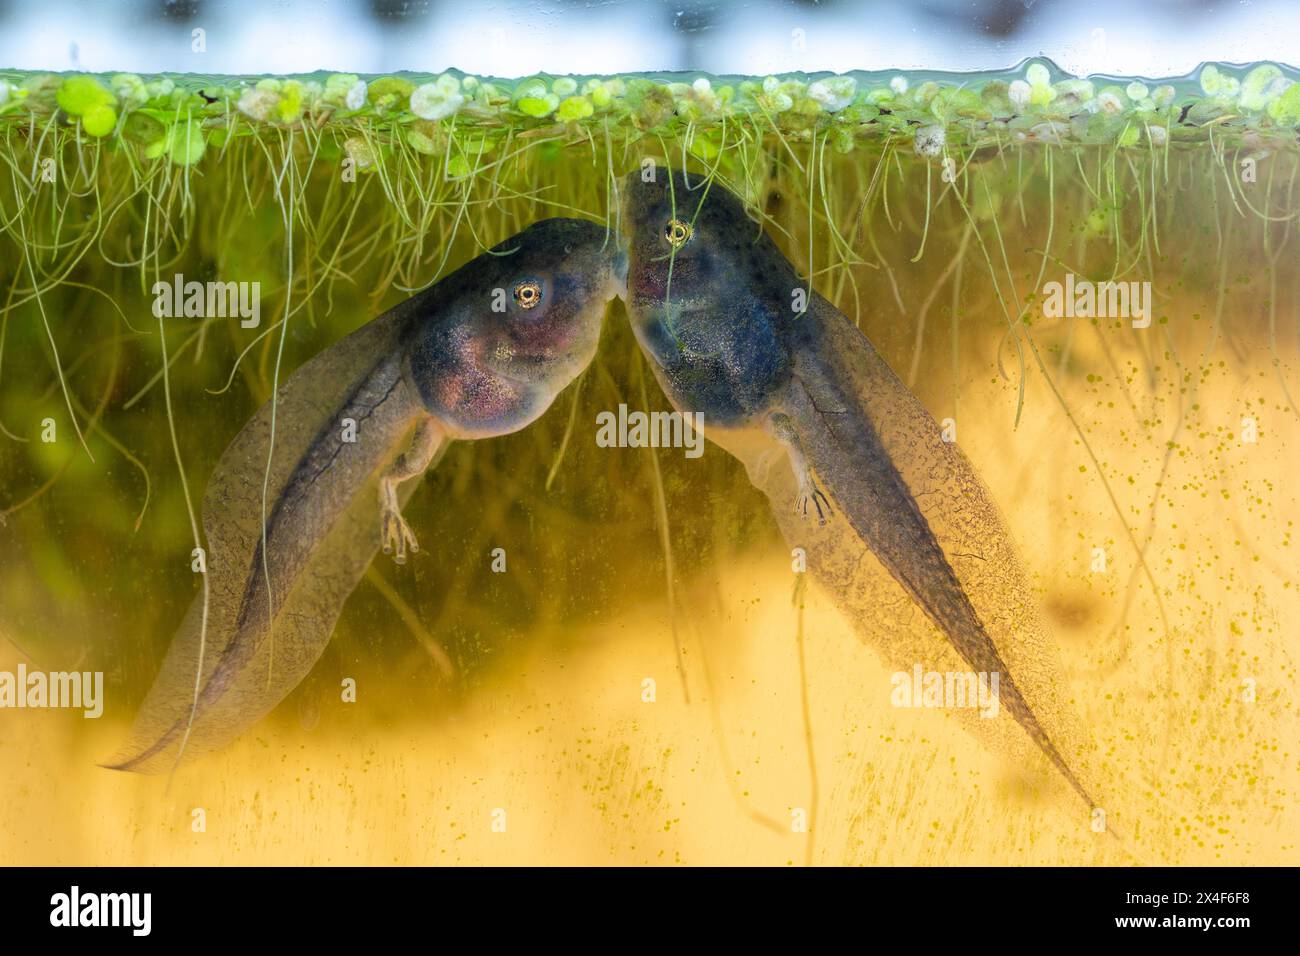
396, 534
809, 492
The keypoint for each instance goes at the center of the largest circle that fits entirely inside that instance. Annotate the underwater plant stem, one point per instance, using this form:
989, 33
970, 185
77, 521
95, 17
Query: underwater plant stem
997, 289
729, 770
568, 429
814, 797
1083, 438
49, 332
925, 230
411, 619
198, 544
952, 266
665, 542
287, 211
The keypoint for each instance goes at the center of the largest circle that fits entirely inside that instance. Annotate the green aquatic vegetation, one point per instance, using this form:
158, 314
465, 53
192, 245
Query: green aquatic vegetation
1036, 102
84, 97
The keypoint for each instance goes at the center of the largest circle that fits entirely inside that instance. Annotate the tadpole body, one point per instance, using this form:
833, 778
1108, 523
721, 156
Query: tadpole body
481, 353
896, 524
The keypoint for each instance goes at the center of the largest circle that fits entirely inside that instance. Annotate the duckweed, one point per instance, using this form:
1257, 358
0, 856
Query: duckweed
1034, 102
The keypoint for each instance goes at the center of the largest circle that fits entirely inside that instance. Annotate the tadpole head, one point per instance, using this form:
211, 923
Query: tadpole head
556, 279
708, 291
681, 231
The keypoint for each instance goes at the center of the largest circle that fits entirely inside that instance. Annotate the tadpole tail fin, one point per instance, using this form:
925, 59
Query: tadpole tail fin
864, 485
218, 679
916, 502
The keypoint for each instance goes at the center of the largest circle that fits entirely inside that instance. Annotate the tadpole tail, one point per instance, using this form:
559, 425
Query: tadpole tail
264, 632
848, 456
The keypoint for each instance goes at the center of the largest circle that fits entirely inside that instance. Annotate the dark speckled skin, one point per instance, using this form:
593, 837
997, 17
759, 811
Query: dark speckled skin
485, 373
717, 319
729, 370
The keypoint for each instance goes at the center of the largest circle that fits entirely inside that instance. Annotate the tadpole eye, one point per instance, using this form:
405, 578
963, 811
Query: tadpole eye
678, 233
528, 294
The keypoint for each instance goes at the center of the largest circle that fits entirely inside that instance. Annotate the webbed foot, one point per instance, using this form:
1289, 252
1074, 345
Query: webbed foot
809, 493
398, 536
